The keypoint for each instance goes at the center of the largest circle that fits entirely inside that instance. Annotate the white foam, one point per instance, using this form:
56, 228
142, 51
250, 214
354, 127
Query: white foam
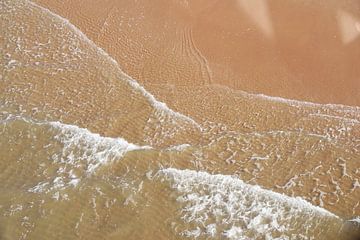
303, 103
256, 157
98, 150
178, 148
81, 154
152, 100
40, 187
294, 102
212, 202
344, 119
357, 220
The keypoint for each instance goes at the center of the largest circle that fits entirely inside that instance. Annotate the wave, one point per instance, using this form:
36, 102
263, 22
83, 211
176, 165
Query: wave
206, 205
224, 206
357, 219
212, 205
152, 100
76, 152
293, 102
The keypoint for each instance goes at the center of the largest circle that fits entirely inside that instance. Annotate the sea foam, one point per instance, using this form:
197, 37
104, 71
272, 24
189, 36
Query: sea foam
76, 152
224, 206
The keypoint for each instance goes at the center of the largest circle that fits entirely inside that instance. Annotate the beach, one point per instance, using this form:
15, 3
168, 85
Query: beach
179, 119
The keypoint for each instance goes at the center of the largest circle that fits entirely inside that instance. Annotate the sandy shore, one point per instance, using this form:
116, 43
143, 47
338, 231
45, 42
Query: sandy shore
88, 89
203, 67
298, 50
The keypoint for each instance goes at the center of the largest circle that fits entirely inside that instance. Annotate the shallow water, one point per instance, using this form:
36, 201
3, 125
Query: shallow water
306, 50
88, 153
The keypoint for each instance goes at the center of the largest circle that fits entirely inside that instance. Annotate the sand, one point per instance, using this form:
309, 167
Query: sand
305, 50
89, 152
196, 55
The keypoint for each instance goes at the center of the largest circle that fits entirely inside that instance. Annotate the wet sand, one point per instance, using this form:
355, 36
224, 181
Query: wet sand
61, 180
207, 50
305, 50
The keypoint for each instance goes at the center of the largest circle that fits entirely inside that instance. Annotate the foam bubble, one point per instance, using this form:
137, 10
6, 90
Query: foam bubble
75, 152
224, 206
357, 220
178, 148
